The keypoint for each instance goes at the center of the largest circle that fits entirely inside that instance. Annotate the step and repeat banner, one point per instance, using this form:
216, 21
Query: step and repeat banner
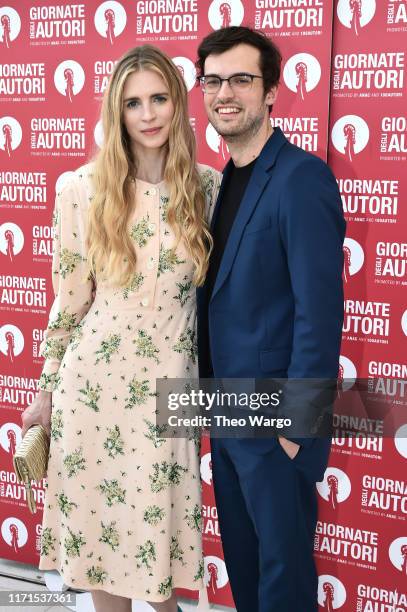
343, 98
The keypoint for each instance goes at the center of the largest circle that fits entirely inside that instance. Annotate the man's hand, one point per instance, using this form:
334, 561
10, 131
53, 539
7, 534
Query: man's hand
290, 448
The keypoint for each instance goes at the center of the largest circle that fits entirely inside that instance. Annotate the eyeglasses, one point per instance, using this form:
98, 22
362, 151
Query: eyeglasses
211, 83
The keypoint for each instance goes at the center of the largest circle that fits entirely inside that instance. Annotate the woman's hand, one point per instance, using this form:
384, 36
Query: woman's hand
39, 412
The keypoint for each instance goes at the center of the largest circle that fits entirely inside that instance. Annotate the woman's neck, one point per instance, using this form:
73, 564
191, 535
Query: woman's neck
151, 164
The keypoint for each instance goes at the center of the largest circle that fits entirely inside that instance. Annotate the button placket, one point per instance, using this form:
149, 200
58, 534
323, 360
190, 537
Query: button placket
152, 199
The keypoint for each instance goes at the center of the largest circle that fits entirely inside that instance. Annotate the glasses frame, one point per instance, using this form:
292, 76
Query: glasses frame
201, 80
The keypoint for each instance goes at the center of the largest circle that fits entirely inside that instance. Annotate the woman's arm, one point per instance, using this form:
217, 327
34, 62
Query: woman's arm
70, 279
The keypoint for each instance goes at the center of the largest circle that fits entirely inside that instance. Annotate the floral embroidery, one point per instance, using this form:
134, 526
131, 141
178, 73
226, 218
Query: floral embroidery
114, 443
139, 391
145, 346
65, 505
153, 515
187, 344
68, 262
142, 231
75, 462
110, 535
114, 493
108, 347
165, 474
167, 260
91, 396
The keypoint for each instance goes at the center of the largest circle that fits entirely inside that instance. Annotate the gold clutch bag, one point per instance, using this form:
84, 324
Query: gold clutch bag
31, 460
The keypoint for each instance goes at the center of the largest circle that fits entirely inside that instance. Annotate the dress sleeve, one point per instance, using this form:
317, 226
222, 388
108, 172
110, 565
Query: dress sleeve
72, 285
211, 180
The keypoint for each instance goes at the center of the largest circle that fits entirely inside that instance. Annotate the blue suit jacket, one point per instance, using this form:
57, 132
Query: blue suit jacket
276, 309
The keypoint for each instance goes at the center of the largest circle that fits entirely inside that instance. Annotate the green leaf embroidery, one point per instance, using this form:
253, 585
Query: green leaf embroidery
75, 462
91, 396
68, 261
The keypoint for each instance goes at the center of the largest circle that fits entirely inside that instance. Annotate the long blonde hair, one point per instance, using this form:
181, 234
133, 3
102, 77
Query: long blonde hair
111, 252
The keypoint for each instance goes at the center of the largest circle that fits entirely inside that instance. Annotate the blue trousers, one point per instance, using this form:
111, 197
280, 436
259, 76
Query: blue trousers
267, 510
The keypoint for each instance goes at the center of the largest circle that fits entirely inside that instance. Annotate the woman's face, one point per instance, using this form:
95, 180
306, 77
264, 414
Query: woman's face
147, 110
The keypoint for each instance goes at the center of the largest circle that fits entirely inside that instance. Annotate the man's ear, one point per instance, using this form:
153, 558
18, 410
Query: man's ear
271, 96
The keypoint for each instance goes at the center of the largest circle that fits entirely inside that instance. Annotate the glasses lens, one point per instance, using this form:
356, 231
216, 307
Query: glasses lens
210, 84
240, 81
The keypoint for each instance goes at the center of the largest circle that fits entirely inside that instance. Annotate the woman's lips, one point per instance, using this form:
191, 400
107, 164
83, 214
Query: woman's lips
151, 132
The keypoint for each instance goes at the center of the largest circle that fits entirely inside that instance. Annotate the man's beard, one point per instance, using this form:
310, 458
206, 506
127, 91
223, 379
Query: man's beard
244, 132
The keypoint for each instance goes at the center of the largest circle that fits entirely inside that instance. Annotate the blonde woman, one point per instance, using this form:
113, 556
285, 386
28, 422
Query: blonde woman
122, 509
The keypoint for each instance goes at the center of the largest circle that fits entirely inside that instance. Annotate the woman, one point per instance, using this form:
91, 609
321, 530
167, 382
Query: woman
122, 508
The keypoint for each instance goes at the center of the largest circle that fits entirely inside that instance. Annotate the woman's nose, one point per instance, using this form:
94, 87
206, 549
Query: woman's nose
148, 112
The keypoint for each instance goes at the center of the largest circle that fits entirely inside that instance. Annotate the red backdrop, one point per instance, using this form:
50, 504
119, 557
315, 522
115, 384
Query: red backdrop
342, 97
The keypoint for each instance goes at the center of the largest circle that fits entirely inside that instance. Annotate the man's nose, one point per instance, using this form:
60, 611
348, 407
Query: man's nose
225, 90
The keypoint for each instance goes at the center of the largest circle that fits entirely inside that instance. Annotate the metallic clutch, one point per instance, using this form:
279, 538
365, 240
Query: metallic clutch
31, 460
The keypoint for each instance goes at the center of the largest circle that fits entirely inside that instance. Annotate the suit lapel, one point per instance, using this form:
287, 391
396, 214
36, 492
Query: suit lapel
259, 178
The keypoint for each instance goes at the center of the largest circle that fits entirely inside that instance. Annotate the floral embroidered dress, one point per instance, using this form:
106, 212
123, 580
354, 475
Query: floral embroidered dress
122, 510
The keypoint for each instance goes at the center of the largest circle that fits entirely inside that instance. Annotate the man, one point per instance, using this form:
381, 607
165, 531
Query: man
272, 306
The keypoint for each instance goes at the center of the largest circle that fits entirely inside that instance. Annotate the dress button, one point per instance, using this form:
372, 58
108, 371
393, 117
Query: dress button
153, 191
145, 301
151, 227
150, 264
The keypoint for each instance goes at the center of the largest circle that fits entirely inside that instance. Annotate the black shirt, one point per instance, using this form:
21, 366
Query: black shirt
228, 208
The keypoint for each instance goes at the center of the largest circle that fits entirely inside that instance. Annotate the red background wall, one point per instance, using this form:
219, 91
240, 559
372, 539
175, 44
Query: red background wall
347, 107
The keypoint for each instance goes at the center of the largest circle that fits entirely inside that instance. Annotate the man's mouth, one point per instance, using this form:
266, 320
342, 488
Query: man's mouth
227, 110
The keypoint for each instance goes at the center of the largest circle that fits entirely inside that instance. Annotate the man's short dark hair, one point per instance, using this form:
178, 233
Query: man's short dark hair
226, 38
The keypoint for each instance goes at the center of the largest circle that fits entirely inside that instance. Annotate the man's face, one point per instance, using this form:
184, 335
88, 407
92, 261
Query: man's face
237, 115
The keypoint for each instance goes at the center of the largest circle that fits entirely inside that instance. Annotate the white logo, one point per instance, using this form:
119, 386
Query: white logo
10, 436
400, 441
63, 180
398, 554
206, 468
10, 134
347, 373
69, 79
10, 25
331, 592
216, 142
110, 20
404, 322
225, 13
187, 69
302, 74
353, 258
11, 341
215, 574
98, 134
14, 532
11, 240
335, 487
350, 135
355, 14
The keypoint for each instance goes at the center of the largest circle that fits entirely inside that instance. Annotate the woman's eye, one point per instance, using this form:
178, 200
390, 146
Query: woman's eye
132, 104
160, 99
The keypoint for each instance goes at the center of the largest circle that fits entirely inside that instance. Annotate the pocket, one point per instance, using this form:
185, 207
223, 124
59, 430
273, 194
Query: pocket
257, 225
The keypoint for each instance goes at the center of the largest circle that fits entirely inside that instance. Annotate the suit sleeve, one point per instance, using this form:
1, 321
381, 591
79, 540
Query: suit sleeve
312, 231
70, 280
